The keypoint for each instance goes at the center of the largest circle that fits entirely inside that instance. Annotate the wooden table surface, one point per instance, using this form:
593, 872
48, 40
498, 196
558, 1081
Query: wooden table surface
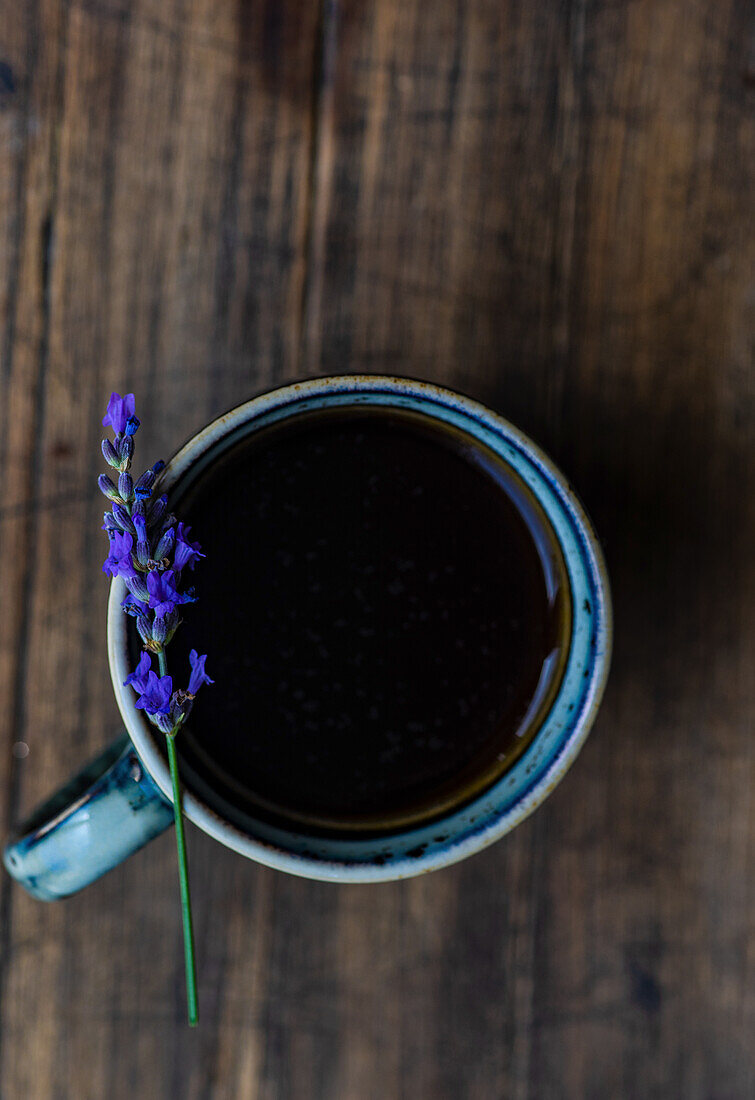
547, 205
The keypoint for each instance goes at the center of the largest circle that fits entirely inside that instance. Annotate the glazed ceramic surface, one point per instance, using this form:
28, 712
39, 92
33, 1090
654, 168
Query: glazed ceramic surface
122, 802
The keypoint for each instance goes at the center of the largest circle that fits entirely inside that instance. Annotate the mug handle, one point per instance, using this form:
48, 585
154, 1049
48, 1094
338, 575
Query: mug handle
102, 815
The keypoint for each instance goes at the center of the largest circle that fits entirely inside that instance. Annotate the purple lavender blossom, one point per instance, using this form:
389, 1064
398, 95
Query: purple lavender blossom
118, 562
139, 678
148, 549
163, 595
152, 579
119, 410
133, 606
155, 698
188, 553
198, 674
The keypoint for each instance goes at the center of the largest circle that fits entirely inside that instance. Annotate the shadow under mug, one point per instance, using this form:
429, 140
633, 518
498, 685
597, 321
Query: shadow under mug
123, 798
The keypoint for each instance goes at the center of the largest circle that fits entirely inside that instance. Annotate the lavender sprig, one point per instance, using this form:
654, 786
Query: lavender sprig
149, 549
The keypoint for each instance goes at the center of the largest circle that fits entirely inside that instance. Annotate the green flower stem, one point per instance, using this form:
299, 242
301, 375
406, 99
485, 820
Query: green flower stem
183, 871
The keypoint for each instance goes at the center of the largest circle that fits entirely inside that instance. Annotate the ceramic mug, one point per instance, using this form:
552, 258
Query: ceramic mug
123, 798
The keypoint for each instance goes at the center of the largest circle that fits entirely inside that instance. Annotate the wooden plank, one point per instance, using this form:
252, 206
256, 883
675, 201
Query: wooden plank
30, 111
164, 159
548, 206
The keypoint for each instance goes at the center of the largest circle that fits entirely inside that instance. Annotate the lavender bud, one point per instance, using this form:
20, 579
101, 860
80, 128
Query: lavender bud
157, 511
126, 450
144, 627
163, 722
159, 630
110, 525
125, 486
123, 519
138, 588
132, 425
169, 521
172, 622
142, 546
110, 454
165, 545
140, 524
106, 486
180, 707
158, 467
143, 487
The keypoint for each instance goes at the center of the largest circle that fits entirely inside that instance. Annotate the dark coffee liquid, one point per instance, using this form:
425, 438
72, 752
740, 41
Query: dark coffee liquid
379, 617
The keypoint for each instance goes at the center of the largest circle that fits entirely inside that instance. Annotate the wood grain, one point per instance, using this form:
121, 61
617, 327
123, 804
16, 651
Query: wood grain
549, 206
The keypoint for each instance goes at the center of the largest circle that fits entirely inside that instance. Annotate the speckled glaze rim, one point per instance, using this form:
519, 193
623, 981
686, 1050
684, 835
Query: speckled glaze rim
553, 749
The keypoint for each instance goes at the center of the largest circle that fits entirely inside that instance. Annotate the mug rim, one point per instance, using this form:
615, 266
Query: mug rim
143, 735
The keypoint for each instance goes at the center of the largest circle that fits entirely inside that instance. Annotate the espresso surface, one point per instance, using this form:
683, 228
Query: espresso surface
376, 614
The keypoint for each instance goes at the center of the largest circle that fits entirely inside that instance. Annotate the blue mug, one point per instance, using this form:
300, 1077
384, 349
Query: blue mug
123, 798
